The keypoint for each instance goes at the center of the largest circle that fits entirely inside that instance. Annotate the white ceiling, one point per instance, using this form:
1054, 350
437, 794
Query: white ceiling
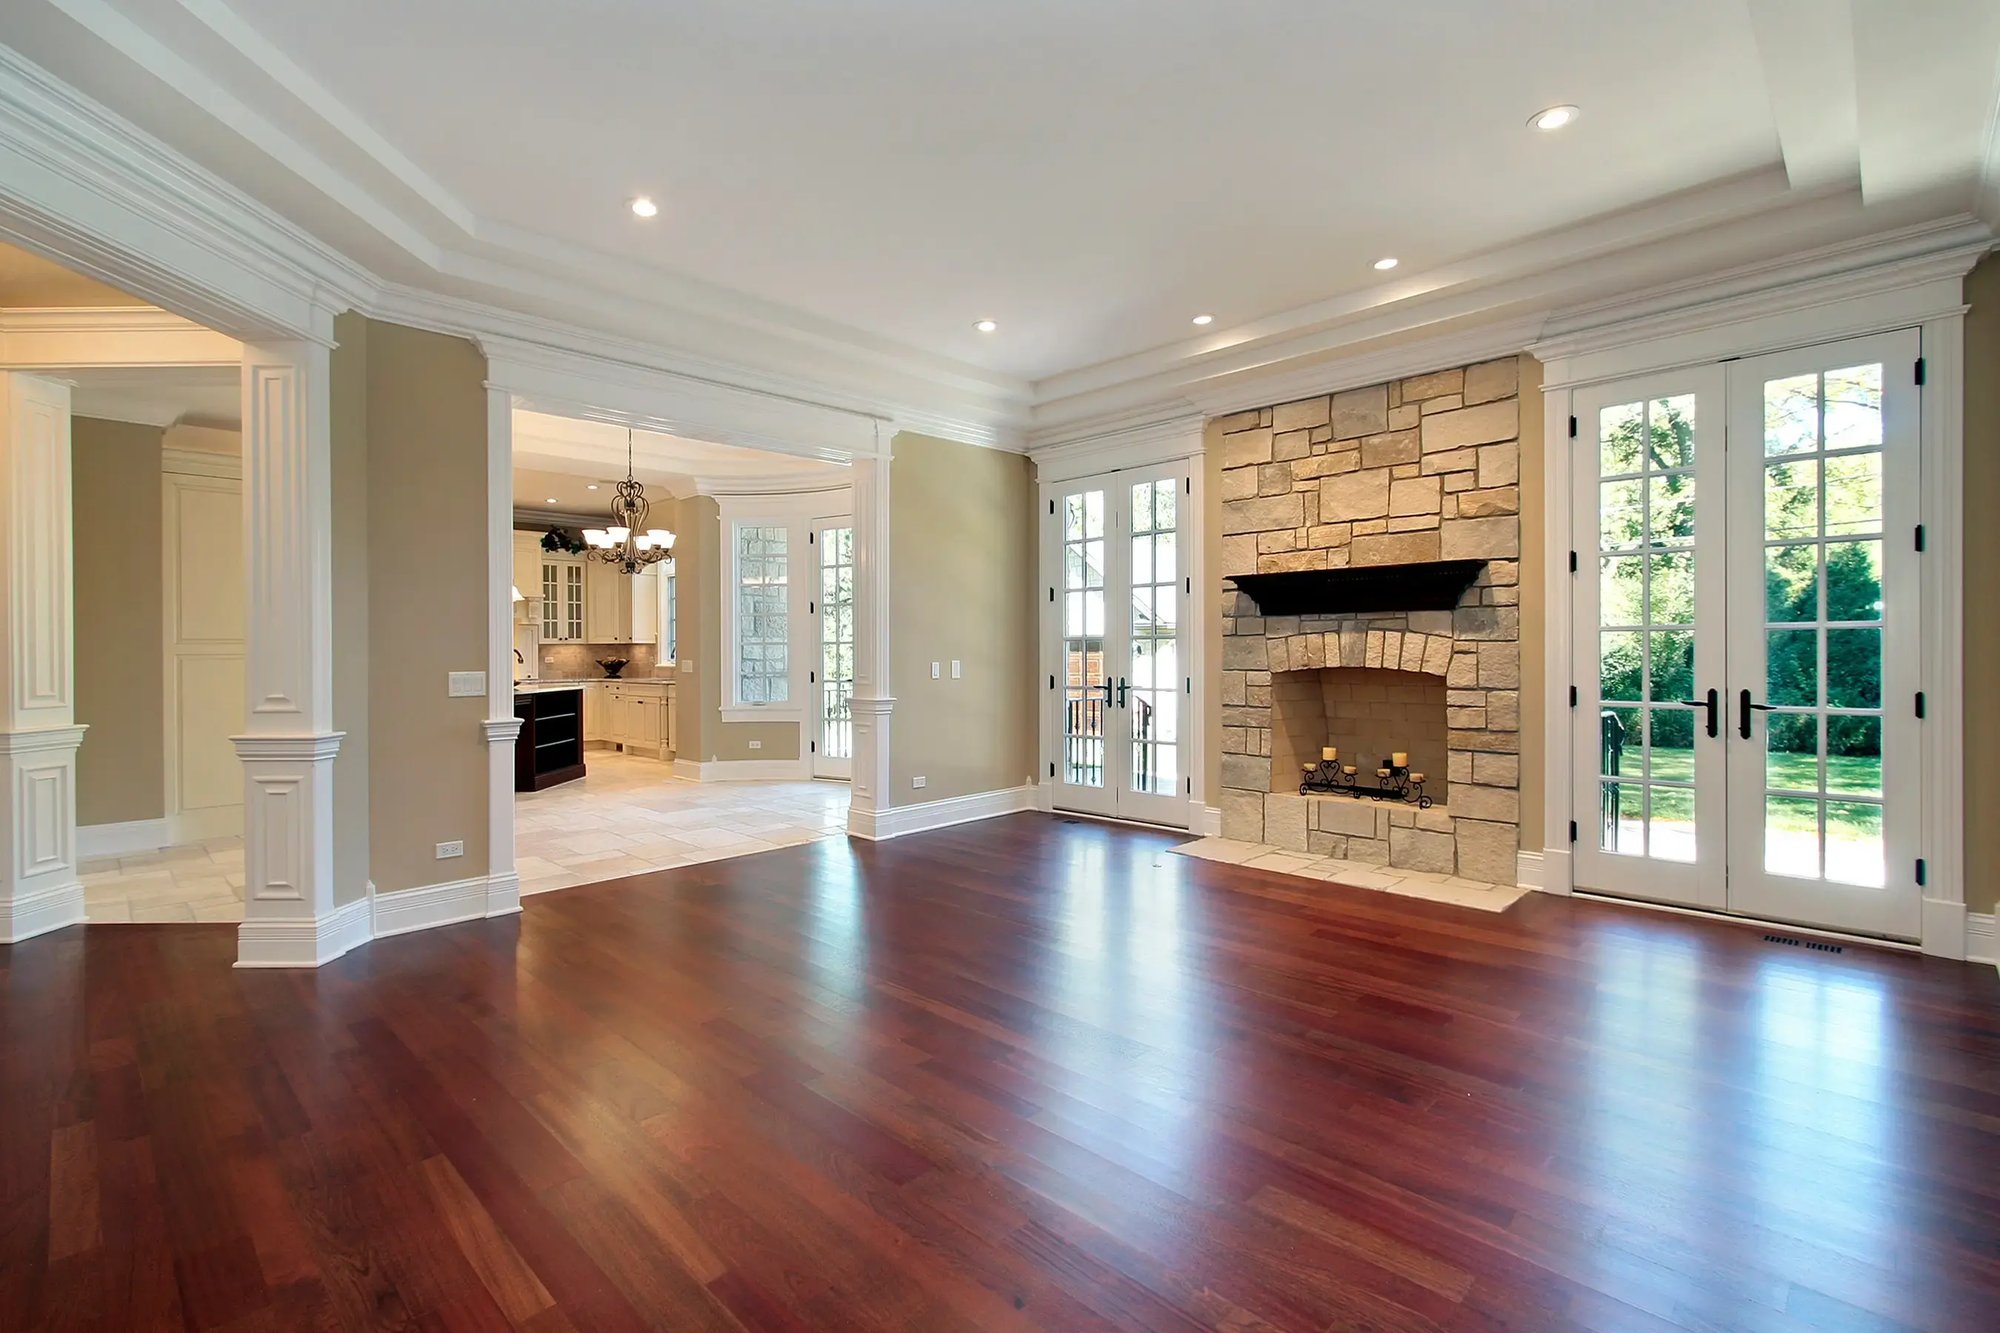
558, 459
874, 175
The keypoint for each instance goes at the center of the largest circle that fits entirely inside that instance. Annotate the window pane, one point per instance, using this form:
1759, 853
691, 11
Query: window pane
1854, 668
1791, 499
763, 614
1621, 590
1854, 843
1670, 583
1618, 439
1670, 831
1791, 415
1791, 667
1854, 407
1670, 431
1791, 837
1854, 580
1853, 495
1854, 755
1791, 583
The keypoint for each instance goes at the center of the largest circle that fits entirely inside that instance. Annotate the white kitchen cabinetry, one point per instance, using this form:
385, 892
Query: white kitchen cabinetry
562, 585
634, 715
528, 575
620, 607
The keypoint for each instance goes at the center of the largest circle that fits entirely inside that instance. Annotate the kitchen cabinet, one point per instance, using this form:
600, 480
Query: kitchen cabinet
562, 585
635, 715
528, 575
549, 747
620, 607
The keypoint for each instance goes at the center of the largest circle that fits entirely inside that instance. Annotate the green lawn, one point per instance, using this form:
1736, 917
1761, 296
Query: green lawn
1857, 774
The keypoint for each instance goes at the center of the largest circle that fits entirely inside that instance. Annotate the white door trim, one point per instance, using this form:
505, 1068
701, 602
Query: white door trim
1929, 297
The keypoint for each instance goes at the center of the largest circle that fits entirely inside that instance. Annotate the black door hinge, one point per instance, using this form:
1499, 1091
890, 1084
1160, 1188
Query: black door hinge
1572, 830
1572, 562
814, 745
1052, 594
1572, 428
1052, 508
1920, 370
1190, 683
812, 677
1920, 703
1052, 682
1920, 536
1187, 484
1052, 770
1572, 696
1189, 580
1190, 786
1920, 872
811, 537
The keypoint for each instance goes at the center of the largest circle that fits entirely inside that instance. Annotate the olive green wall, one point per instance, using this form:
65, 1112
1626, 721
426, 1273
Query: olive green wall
962, 569
348, 416
1982, 585
120, 638
426, 537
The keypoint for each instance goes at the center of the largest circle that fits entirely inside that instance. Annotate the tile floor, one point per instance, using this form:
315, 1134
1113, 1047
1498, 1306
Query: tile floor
627, 816
198, 882
631, 815
1356, 874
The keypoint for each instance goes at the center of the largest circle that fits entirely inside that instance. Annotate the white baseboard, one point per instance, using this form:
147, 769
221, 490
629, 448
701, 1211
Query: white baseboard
137, 836
1207, 821
303, 943
445, 904
129, 838
1528, 869
906, 819
40, 911
1553, 876
1982, 939
744, 770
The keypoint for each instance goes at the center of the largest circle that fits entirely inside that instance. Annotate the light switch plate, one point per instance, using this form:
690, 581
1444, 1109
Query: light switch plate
935, 671
464, 684
957, 669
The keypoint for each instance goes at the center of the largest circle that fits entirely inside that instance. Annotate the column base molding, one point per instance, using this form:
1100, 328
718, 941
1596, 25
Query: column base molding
304, 941
57, 907
446, 904
877, 826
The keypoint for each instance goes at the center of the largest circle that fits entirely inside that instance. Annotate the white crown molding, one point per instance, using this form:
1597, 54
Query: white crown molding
1135, 444
200, 463
1871, 266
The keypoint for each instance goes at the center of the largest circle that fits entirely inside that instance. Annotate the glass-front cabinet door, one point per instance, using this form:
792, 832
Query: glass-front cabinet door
1117, 687
1746, 629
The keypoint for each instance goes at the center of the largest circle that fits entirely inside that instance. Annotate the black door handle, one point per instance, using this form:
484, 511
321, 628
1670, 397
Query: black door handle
1713, 703
1121, 692
1746, 707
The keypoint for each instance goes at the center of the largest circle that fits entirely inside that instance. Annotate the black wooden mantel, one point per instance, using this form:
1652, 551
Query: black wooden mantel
1433, 585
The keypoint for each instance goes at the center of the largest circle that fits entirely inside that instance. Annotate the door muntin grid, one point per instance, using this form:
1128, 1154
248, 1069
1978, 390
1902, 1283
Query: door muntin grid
1086, 689
836, 659
1824, 625
1156, 686
1646, 632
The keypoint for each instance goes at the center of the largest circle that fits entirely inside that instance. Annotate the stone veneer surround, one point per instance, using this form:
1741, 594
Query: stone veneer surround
1425, 468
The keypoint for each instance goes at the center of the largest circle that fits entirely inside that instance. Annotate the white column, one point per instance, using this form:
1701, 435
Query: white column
870, 795
39, 888
503, 886
288, 742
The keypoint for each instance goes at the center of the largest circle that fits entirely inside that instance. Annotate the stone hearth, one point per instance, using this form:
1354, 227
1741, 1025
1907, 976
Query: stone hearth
1422, 469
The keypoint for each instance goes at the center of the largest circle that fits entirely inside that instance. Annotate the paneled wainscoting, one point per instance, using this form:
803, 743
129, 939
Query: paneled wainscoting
1022, 1074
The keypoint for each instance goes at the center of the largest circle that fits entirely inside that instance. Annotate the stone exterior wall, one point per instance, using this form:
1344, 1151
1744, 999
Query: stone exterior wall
1425, 468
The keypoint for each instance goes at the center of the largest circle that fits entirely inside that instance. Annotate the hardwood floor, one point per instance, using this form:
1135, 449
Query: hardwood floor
1023, 1074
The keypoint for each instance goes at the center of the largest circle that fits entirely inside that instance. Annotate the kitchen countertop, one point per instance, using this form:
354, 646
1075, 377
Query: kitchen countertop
544, 686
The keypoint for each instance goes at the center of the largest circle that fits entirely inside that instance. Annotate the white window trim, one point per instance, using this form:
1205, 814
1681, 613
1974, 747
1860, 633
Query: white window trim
1927, 296
800, 515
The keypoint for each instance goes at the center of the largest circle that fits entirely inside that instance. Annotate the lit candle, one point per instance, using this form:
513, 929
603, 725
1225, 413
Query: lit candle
1330, 753
1400, 759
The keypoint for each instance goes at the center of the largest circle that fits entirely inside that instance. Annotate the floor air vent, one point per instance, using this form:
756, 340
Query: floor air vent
1817, 945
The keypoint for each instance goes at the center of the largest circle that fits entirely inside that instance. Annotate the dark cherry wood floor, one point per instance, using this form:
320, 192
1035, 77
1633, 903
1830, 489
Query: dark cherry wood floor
1025, 1074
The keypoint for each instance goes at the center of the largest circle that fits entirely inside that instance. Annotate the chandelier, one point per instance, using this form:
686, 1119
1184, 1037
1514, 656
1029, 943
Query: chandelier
628, 543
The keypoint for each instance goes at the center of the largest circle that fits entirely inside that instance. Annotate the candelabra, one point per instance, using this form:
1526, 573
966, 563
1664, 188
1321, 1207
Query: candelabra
1393, 781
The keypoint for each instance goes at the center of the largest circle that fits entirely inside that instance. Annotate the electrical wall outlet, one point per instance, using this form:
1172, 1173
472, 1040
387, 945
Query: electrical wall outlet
957, 669
464, 684
756, 745
447, 850
917, 781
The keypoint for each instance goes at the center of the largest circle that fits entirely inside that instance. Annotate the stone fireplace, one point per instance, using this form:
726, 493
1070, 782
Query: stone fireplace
1403, 476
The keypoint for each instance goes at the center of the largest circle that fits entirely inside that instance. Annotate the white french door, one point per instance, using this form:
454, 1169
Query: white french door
1117, 686
833, 673
1747, 630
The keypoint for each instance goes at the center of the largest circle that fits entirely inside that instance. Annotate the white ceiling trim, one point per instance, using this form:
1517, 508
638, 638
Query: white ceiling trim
78, 336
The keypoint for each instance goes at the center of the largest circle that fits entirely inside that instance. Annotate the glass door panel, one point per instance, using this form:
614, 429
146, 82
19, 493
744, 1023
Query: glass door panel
834, 671
1824, 459
1650, 606
1118, 687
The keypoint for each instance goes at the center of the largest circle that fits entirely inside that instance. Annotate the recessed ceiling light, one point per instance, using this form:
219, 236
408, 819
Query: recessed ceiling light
590, 486
1554, 118
1204, 319
986, 326
552, 499
644, 207
1387, 262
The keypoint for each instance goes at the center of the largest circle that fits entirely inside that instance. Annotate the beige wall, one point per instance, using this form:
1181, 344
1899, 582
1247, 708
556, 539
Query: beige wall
348, 412
960, 562
1982, 585
1534, 616
426, 536
120, 653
